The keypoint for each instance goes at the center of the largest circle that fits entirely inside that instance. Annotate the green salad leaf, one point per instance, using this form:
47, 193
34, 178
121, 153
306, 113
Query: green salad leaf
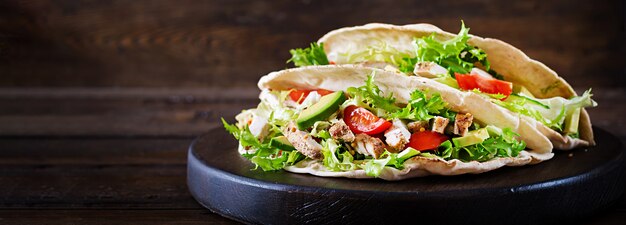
551, 112
453, 54
502, 145
313, 55
264, 156
373, 98
420, 107
374, 167
334, 158
244, 136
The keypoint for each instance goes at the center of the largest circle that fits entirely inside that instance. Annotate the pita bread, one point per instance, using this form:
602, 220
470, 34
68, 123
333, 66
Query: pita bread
340, 77
507, 60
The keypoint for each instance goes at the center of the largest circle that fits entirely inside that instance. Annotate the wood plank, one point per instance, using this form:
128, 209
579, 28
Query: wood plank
232, 43
118, 113
190, 216
98, 186
111, 216
102, 152
146, 112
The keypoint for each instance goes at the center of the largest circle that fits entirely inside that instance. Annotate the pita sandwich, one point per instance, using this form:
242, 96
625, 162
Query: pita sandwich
539, 95
363, 122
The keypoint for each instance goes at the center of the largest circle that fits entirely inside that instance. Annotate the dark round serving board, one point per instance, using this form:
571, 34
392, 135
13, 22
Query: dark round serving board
572, 185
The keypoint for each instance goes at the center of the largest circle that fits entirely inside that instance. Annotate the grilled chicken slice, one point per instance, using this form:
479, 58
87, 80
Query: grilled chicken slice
439, 124
417, 126
341, 131
462, 122
429, 69
397, 135
480, 72
368, 145
303, 141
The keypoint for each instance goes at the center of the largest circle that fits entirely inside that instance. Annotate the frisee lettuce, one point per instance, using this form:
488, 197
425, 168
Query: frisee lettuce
334, 158
313, 55
453, 54
264, 156
371, 97
501, 145
374, 167
420, 107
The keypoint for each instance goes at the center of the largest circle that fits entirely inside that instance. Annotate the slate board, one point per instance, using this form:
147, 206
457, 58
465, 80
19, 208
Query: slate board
565, 188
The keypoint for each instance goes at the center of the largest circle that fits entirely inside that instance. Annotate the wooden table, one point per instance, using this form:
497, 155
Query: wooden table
100, 100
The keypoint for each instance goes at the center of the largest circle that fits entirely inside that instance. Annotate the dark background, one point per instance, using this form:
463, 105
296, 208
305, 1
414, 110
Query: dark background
232, 43
100, 99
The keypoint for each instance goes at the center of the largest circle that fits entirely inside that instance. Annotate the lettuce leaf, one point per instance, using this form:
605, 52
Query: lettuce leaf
313, 55
453, 54
244, 136
372, 97
335, 161
502, 145
382, 52
551, 112
265, 156
420, 107
374, 167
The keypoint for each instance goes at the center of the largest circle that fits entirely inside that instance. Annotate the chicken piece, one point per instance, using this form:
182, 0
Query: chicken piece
368, 145
462, 122
259, 126
439, 124
417, 126
341, 131
303, 141
397, 135
480, 72
429, 69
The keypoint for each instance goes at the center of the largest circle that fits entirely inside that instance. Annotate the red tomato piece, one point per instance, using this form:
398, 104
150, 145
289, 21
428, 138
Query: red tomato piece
300, 95
484, 84
426, 140
361, 120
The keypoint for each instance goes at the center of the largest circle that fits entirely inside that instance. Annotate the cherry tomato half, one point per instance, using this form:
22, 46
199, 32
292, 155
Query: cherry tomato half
426, 140
361, 120
300, 95
484, 84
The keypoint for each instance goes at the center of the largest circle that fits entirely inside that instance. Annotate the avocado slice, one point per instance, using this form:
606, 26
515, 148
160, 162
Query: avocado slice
571, 122
447, 80
493, 130
281, 143
321, 110
519, 89
471, 138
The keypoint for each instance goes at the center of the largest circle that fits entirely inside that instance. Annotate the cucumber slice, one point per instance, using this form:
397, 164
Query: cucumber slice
571, 122
321, 110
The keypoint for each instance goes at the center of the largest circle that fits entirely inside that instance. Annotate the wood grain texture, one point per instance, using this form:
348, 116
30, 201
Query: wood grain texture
111, 216
99, 99
232, 43
95, 171
563, 190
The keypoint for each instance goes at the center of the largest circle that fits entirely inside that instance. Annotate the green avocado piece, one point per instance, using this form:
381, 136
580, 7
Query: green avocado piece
447, 80
571, 122
519, 89
471, 138
493, 130
281, 143
321, 110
